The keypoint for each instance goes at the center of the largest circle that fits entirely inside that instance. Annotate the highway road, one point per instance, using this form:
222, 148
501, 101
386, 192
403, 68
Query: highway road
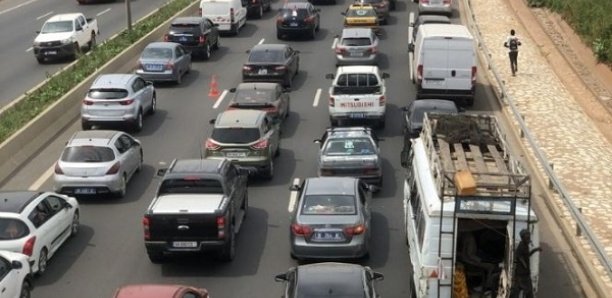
109, 250
20, 19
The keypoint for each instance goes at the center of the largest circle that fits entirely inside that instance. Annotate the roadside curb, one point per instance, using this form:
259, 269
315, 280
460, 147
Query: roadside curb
31, 138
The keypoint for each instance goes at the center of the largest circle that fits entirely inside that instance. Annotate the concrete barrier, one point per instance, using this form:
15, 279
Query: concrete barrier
43, 129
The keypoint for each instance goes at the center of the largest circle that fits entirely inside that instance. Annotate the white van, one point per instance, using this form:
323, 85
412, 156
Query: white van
444, 63
230, 15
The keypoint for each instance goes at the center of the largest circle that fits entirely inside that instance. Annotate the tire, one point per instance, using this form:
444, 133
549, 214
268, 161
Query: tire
279, 35
312, 34
25, 289
269, 174
40, 60
138, 123
85, 125
156, 257
288, 81
236, 29
140, 162
74, 226
122, 191
179, 78
42, 262
92, 42
277, 152
153, 107
229, 250
77, 51
217, 43
206, 53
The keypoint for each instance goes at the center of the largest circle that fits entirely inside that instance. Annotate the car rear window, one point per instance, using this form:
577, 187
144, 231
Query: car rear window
299, 13
157, 53
357, 83
267, 56
349, 146
88, 154
361, 13
107, 93
11, 228
356, 42
184, 25
235, 135
255, 96
329, 205
371, 1
191, 185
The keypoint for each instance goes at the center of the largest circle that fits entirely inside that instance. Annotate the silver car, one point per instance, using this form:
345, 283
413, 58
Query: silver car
357, 46
164, 61
97, 162
118, 98
330, 218
436, 7
350, 151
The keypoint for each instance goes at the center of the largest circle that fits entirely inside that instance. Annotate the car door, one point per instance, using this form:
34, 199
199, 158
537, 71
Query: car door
10, 285
47, 231
131, 154
61, 216
139, 94
272, 131
364, 198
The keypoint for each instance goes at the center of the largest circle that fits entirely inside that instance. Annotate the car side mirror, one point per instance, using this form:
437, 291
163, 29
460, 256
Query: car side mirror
411, 47
378, 276
212, 121
385, 75
248, 51
317, 141
329, 76
37, 31
16, 265
232, 90
281, 277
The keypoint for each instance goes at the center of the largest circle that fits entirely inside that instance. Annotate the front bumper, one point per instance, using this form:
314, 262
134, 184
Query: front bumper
76, 185
61, 51
126, 117
356, 248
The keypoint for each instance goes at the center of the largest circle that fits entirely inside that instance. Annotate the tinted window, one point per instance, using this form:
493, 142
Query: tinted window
255, 96
12, 229
183, 26
361, 13
355, 42
349, 146
189, 185
267, 56
235, 135
371, 1
5, 267
88, 154
357, 83
329, 205
294, 13
107, 93
157, 53
54, 27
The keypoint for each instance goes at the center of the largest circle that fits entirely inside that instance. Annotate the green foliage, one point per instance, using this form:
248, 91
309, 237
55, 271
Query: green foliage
37, 101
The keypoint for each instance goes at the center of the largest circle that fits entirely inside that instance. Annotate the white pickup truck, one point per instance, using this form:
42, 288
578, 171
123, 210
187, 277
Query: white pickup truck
65, 35
357, 93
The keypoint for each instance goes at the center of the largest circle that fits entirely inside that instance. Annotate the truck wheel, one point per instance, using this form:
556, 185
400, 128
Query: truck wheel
77, 51
92, 42
40, 60
229, 251
156, 257
270, 170
138, 122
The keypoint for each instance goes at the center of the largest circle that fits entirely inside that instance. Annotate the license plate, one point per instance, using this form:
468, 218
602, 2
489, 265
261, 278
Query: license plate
356, 54
235, 154
51, 53
434, 82
85, 191
263, 71
182, 38
154, 67
328, 236
185, 244
293, 24
357, 115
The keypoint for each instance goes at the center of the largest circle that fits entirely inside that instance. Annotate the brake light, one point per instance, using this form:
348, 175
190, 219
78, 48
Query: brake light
425, 1
126, 102
211, 145
221, 227
281, 67
474, 69
279, 20
87, 102
58, 169
169, 66
114, 169
340, 51
381, 101
447, 2
146, 223
309, 20
332, 101
354, 230
374, 50
231, 15
166, 37
28, 247
261, 144
247, 68
420, 73
202, 39
302, 230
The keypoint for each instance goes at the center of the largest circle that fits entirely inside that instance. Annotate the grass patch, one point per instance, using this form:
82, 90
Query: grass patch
37, 101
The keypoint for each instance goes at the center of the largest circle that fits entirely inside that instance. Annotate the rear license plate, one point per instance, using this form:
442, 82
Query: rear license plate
235, 154
50, 53
183, 38
154, 67
185, 244
436, 82
357, 115
356, 54
263, 71
85, 191
293, 24
328, 236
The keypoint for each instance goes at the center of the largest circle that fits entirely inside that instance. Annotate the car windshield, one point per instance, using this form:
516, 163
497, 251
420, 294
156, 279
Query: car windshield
356, 42
293, 13
266, 56
361, 13
55, 27
235, 135
255, 96
349, 146
191, 185
11, 228
157, 53
88, 154
107, 93
329, 205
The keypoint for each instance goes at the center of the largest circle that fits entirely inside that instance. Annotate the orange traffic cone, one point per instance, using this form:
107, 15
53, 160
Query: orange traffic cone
214, 87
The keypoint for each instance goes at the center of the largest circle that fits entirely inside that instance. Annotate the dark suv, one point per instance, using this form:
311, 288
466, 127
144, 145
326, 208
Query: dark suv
197, 34
297, 18
256, 8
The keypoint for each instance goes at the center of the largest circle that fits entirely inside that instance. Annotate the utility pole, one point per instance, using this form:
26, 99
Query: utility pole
128, 9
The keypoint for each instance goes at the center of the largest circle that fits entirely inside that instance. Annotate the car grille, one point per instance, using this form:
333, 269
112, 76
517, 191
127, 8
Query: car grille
51, 44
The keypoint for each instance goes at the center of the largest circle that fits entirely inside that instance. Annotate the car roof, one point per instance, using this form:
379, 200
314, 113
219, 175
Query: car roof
446, 30
343, 132
269, 47
257, 85
331, 278
330, 185
64, 17
112, 81
15, 201
356, 32
240, 118
187, 20
358, 69
196, 166
147, 290
99, 137
162, 44
435, 104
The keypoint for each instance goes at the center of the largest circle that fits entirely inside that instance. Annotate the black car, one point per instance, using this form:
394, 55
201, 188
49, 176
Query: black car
297, 18
256, 8
330, 279
271, 63
268, 97
197, 34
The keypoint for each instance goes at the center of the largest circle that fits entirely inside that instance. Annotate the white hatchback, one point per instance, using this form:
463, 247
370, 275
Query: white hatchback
36, 224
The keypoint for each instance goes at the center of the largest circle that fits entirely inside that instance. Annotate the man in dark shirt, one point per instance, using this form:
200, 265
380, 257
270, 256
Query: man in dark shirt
521, 280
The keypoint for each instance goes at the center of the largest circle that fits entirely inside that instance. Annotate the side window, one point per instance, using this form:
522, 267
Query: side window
342, 80
55, 204
5, 267
126, 141
120, 146
179, 52
138, 84
82, 21
77, 25
40, 214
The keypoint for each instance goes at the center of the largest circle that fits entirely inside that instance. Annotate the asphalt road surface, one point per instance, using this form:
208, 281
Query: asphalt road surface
109, 250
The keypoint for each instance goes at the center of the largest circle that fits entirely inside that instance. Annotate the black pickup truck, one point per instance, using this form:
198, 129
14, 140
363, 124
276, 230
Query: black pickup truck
199, 207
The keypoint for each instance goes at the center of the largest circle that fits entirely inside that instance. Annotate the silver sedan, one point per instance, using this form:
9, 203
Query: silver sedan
330, 218
164, 61
97, 162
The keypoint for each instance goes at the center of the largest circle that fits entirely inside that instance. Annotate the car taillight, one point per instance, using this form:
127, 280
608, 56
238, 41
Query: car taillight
261, 144
420, 73
381, 101
211, 145
332, 101
280, 67
474, 69
302, 230
114, 169
247, 68
447, 2
166, 37
279, 20
231, 15
221, 227
169, 66
87, 102
146, 222
202, 39
340, 50
309, 20
354, 230
374, 50
28, 247
58, 169
126, 102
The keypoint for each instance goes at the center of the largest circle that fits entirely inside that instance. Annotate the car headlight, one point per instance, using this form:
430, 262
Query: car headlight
36, 43
66, 41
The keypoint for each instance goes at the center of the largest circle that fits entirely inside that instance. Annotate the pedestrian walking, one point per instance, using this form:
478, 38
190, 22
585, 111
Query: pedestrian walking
521, 280
512, 43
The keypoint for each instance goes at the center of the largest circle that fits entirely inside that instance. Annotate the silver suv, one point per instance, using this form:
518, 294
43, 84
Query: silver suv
357, 46
118, 98
249, 138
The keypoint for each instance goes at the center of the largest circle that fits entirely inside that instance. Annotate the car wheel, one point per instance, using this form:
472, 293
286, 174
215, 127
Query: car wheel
179, 78
77, 51
85, 125
156, 257
229, 250
391, 5
153, 108
270, 170
42, 262
74, 226
140, 162
40, 60
123, 188
138, 122
260, 12
288, 81
380, 123
25, 289
206, 52
313, 32
92, 42
236, 29
279, 35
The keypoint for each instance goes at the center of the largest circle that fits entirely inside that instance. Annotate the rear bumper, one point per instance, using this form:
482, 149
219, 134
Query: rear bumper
446, 93
166, 247
157, 76
71, 185
294, 30
363, 115
356, 248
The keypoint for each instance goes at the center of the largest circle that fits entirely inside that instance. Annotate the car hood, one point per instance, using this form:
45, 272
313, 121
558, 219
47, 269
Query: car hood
46, 37
348, 161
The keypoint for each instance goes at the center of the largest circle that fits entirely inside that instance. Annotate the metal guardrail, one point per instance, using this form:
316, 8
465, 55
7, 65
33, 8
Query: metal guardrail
539, 154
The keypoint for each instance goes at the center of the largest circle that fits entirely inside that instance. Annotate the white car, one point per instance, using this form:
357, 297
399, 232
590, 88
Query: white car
15, 275
36, 224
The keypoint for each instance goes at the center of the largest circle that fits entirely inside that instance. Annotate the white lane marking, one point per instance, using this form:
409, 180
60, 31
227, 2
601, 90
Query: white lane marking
41, 180
334, 43
40, 17
17, 6
218, 102
261, 41
316, 98
29, 49
103, 12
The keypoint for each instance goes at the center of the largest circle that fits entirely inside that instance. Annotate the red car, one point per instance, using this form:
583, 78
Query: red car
160, 291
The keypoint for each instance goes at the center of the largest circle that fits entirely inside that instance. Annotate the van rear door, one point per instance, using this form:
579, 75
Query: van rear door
434, 63
460, 59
